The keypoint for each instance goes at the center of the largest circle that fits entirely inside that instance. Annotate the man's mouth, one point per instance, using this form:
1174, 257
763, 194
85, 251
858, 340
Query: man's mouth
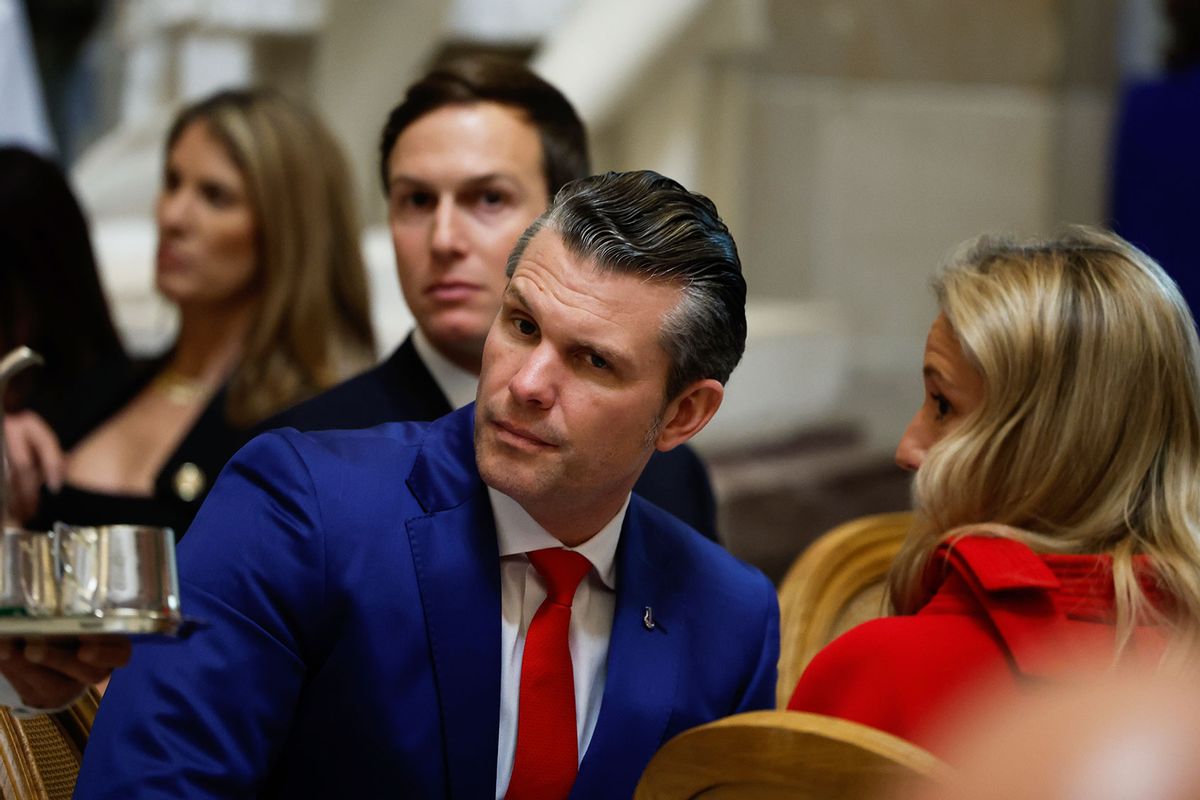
452, 291
520, 436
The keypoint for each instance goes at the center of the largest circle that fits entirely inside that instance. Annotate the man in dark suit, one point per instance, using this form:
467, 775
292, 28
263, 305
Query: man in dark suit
478, 606
470, 157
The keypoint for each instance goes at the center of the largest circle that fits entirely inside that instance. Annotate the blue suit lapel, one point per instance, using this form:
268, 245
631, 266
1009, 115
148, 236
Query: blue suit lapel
642, 670
457, 566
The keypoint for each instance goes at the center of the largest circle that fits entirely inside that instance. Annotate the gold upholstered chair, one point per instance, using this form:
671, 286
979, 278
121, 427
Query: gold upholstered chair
835, 584
40, 756
785, 754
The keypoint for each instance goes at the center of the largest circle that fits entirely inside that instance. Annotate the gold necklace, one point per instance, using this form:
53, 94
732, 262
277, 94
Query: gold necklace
179, 389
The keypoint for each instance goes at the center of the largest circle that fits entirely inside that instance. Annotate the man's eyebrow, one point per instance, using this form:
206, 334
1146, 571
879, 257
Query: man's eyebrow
472, 182
490, 177
515, 293
607, 353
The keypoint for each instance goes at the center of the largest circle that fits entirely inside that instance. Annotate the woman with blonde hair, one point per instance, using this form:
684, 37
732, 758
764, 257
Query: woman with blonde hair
1057, 502
259, 250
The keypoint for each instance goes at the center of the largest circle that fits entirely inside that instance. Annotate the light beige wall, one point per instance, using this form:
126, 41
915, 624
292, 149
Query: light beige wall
368, 52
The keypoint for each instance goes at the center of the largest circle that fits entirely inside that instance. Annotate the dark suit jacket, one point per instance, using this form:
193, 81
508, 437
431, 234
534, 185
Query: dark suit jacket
401, 389
351, 584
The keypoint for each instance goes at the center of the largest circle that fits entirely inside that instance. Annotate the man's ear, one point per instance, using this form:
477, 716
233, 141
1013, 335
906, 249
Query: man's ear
688, 413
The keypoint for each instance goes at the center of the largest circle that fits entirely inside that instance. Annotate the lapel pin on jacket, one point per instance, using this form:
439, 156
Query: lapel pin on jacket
648, 619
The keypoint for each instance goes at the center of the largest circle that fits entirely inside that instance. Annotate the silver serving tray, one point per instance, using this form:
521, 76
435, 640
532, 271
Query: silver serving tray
124, 623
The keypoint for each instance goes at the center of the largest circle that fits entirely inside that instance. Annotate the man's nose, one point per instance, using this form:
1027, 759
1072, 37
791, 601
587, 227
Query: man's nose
446, 235
535, 382
910, 453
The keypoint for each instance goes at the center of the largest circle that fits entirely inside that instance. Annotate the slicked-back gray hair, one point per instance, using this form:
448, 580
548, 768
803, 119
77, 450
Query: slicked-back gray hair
643, 223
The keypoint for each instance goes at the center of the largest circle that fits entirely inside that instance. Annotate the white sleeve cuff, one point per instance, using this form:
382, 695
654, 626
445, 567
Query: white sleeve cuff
10, 698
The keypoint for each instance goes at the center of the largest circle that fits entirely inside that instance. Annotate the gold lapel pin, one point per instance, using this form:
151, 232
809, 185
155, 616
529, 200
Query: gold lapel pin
190, 482
648, 619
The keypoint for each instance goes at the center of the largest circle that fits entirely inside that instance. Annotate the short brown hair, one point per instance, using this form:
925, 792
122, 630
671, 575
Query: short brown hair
494, 79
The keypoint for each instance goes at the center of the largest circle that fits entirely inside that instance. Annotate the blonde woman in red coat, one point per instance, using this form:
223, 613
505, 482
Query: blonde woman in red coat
1057, 460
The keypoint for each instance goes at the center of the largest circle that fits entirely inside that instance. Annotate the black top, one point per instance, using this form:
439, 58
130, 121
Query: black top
402, 389
181, 484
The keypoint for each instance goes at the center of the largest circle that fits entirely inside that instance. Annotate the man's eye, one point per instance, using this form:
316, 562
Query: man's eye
488, 199
599, 362
525, 327
417, 200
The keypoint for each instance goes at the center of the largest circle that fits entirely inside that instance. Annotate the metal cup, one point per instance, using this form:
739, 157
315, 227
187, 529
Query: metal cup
117, 569
28, 574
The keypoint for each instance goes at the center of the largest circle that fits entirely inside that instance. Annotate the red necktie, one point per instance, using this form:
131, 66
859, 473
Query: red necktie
547, 756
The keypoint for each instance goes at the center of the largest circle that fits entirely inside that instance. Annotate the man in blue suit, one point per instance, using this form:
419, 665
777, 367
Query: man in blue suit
386, 617
470, 157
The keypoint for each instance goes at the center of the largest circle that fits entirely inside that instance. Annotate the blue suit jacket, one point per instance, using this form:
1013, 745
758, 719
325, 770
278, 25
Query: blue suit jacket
352, 585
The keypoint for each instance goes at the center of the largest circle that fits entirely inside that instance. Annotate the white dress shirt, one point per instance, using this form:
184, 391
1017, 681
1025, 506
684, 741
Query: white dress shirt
522, 592
12, 701
458, 384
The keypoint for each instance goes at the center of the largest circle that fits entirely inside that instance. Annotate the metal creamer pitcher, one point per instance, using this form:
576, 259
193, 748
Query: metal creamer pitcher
75, 579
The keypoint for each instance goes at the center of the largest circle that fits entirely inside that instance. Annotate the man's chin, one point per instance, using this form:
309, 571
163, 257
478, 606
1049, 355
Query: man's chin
457, 333
520, 482
506, 485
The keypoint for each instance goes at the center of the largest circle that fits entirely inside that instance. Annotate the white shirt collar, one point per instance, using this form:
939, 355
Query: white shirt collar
456, 383
517, 533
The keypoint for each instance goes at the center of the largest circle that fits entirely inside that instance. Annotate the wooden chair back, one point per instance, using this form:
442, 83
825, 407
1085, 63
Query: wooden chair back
835, 584
40, 756
784, 754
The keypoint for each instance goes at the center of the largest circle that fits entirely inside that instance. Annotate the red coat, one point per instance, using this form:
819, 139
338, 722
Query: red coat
1001, 612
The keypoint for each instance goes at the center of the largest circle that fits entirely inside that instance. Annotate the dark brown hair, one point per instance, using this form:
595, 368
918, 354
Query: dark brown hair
494, 79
